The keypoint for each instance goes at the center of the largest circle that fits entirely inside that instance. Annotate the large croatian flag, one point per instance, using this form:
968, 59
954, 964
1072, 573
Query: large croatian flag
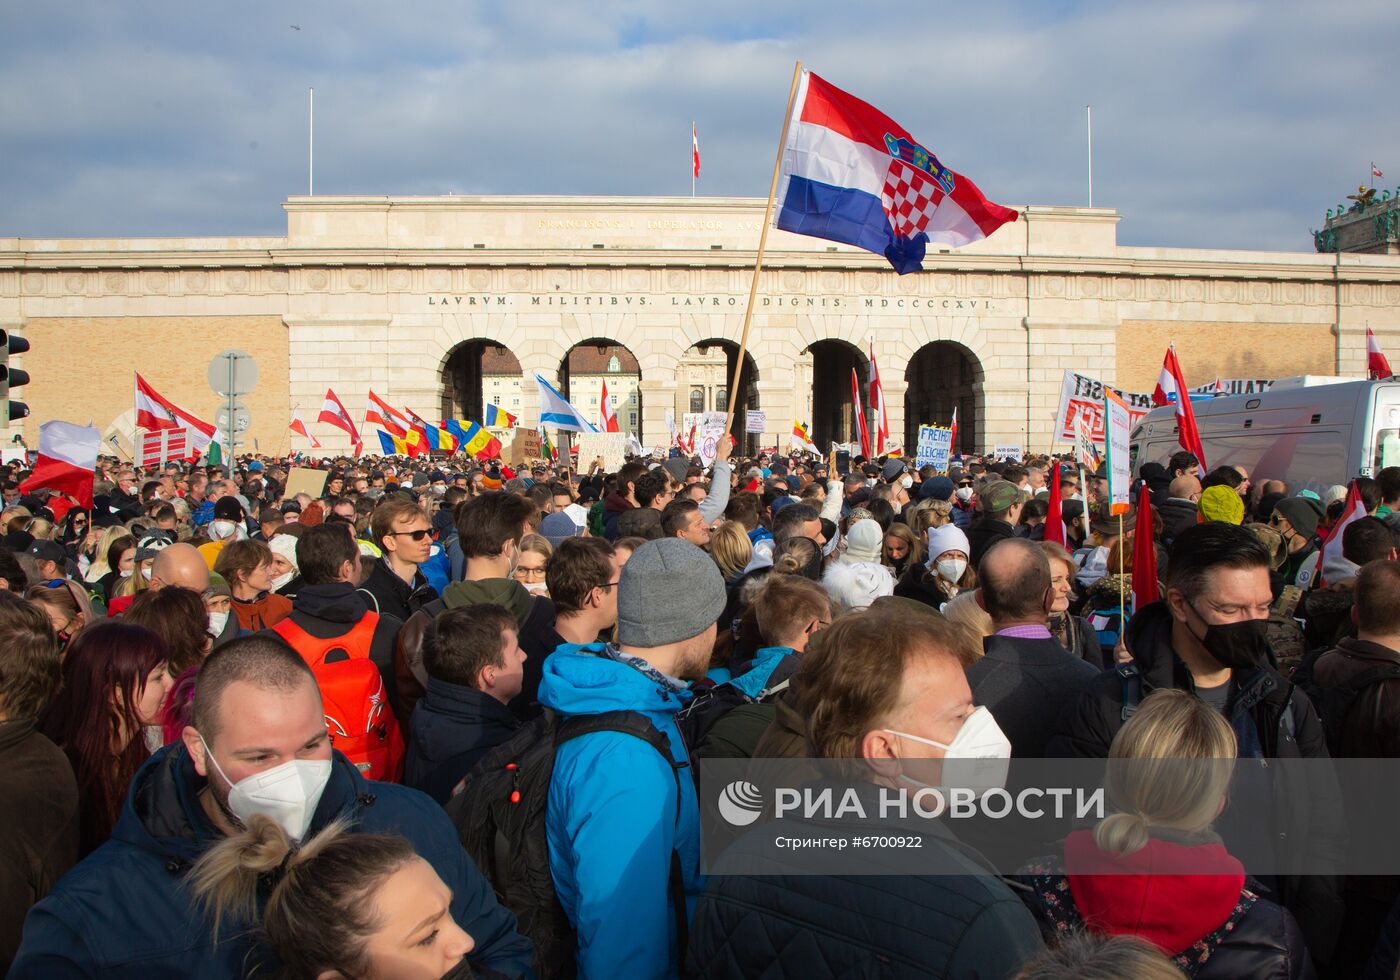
852, 174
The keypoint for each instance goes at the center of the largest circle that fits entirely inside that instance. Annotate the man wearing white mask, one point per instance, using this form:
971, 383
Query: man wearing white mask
1024, 677
884, 693
257, 745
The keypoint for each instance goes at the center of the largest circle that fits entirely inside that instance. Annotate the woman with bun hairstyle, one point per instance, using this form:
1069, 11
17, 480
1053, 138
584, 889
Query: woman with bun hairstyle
1154, 869
340, 905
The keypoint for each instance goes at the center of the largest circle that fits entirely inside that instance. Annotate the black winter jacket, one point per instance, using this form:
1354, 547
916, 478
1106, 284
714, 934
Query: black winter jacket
1282, 724
1025, 684
919, 583
1177, 515
452, 726
985, 533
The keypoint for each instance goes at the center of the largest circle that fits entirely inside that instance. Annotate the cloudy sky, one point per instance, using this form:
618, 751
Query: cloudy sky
1217, 123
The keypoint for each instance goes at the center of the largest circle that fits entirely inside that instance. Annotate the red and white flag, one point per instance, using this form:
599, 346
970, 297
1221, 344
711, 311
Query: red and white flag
877, 404
1376, 364
694, 152
1171, 387
953, 434
1055, 517
861, 427
299, 427
155, 412
605, 406
380, 413
67, 458
334, 413
1331, 551
1376, 171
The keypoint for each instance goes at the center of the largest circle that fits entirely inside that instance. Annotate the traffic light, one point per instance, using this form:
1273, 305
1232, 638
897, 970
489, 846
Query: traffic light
11, 378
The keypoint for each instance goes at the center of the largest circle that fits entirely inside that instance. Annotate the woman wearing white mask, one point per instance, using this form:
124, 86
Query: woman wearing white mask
946, 572
286, 576
341, 904
535, 552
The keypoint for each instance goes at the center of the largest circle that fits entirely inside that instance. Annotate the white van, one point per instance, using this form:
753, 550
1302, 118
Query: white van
1311, 432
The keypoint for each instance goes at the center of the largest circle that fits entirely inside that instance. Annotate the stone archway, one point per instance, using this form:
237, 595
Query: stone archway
943, 375
832, 414
476, 372
587, 366
704, 377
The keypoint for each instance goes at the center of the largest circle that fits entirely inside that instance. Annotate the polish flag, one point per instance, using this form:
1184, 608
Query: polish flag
334, 413
299, 427
695, 163
67, 458
609, 416
1376, 363
1171, 387
380, 413
1055, 518
1353, 510
861, 427
877, 403
155, 412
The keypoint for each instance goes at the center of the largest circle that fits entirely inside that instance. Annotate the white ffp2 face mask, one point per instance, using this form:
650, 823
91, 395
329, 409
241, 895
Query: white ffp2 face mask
217, 622
951, 569
963, 493
977, 757
287, 793
906, 481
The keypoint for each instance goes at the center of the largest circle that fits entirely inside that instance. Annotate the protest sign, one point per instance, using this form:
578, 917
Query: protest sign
612, 446
525, 446
1009, 451
1085, 452
935, 446
1080, 393
162, 445
1118, 426
707, 437
304, 479
755, 421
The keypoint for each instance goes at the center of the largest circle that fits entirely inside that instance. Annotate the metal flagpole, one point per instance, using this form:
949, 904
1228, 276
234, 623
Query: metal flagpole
692, 158
1089, 122
311, 143
762, 242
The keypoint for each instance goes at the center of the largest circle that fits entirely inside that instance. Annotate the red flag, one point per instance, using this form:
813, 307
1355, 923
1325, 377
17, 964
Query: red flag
695, 159
1376, 171
1055, 518
860, 416
609, 417
334, 413
1353, 510
953, 436
299, 427
383, 415
67, 458
1171, 386
1144, 554
152, 411
1376, 364
877, 405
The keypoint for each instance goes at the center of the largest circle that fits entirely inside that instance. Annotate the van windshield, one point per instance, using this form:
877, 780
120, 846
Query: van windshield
1385, 448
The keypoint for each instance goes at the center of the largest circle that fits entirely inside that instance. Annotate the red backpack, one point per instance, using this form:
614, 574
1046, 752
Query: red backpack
358, 718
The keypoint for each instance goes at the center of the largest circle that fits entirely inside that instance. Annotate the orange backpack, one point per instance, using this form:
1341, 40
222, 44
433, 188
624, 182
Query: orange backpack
358, 717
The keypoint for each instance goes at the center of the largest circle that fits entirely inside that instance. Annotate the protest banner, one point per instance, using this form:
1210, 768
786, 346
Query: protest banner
1081, 393
755, 421
707, 437
1085, 452
935, 447
162, 445
612, 446
525, 446
304, 479
1010, 451
1118, 427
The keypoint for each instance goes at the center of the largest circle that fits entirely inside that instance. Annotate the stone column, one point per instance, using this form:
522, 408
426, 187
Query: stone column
658, 395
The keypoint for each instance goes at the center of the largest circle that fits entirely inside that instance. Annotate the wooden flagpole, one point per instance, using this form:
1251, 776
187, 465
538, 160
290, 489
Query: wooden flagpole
758, 259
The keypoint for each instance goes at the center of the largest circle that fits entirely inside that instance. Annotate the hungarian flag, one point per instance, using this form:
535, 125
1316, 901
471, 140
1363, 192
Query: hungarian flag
1376, 363
877, 405
861, 427
299, 427
1171, 387
1055, 517
67, 458
155, 412
334, 413
1353, 510
609, 416
1144, 554
381, 414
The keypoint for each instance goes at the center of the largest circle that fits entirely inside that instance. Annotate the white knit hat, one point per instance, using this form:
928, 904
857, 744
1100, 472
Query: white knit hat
864, 542
949, 537
285, 545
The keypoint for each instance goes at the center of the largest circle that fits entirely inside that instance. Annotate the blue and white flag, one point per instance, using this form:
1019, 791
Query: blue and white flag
555, 410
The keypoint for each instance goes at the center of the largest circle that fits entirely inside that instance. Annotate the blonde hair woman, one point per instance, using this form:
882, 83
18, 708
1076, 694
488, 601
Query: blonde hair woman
97, 561
1154, 869
535, 552
731, 549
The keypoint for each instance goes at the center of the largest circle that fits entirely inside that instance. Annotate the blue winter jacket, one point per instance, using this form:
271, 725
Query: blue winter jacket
612, 819
124, 911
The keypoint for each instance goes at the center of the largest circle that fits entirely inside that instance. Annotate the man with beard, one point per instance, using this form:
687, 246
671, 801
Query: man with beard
617, 808
126, 911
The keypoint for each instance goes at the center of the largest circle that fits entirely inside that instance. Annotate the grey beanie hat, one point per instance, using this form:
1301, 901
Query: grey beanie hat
669, 591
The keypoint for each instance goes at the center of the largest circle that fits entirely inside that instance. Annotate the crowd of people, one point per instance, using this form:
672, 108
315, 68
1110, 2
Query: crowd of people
441, 719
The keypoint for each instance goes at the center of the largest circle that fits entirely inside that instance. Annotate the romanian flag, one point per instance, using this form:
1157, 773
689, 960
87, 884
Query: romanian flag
473, 440
498, 419
392, 445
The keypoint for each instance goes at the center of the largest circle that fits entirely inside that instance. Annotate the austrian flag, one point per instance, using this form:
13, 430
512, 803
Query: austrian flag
852, 174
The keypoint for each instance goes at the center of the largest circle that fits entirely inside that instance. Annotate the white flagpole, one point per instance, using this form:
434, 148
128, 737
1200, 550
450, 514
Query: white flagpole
1089, 124
311, 143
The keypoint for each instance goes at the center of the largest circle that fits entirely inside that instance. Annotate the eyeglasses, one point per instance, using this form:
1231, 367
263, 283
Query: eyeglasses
523, 572
417, 535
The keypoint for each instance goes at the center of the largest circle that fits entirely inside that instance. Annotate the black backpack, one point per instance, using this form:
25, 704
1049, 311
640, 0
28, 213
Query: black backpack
1336, 702
698, 718
500, 818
